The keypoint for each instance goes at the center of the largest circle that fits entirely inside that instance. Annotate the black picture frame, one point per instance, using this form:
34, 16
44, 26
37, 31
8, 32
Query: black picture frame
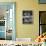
39, 1
27, 17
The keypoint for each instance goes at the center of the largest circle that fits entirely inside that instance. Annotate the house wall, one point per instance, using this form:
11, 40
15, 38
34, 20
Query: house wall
27, 30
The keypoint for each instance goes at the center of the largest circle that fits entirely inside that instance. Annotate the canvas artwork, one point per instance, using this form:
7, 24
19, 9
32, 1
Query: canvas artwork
7, 28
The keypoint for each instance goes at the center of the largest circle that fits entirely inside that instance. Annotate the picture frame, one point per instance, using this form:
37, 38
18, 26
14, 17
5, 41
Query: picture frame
27, 17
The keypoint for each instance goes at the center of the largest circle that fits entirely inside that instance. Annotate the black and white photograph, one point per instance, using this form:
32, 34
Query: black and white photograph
27, 17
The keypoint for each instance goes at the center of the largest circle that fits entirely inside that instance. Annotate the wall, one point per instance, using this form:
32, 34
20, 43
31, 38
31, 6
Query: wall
29, 30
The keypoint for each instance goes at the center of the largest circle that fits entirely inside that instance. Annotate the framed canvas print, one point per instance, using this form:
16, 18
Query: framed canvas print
7, 20
42, 1
42, 22
27, 17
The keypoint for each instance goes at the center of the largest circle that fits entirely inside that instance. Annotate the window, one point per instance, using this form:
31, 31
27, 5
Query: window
7, 21
42, 1
42, 22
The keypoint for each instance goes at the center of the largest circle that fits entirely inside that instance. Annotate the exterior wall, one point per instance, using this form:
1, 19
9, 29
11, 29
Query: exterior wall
29, 30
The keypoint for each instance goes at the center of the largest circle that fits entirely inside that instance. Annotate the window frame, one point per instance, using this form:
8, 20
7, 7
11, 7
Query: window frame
41, 2
39, 23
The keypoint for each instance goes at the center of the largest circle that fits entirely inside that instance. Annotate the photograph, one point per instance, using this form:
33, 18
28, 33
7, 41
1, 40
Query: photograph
27, 17
23, 22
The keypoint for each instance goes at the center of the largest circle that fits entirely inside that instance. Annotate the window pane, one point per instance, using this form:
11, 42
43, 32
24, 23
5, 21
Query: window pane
2, 35
2, 23
43, 28
42, 1
42, 17
2, 28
